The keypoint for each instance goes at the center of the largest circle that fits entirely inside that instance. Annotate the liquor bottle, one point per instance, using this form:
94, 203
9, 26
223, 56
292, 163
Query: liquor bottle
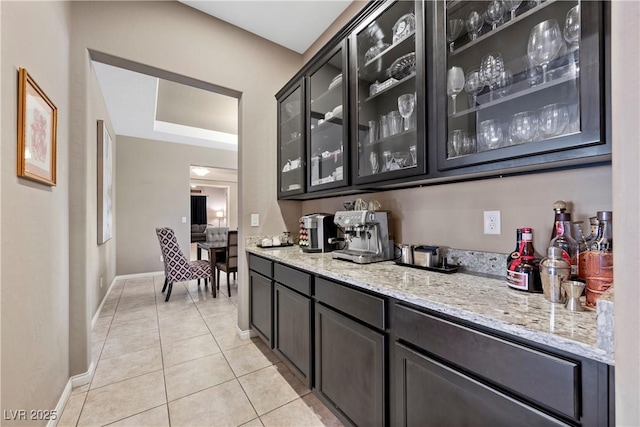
593, 231
564, 241
576, 233
513, 256
604, 241
598, 264
559, 207
525, 276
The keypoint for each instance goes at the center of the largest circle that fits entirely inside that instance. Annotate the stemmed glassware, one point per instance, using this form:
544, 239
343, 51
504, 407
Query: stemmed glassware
545, 41
455, 84
503, 82
495, 13
473, 86
572, 31
406, 104
474, 23
512, 5
491, 66
454, 28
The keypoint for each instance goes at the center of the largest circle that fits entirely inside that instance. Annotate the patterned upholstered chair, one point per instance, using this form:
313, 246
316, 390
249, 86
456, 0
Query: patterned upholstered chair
230, 264
177, 268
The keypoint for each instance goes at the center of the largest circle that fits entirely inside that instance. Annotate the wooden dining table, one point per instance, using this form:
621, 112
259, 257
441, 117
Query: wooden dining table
212, 248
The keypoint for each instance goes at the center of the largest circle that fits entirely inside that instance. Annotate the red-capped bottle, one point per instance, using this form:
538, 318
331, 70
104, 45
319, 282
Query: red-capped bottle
525, 275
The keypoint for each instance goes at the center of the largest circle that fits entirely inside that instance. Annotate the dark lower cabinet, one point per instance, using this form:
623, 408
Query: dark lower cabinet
350, 368
429, 393
260, 305
292, 330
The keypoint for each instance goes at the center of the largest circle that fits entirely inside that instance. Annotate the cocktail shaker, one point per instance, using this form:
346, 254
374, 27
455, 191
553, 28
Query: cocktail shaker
553, 271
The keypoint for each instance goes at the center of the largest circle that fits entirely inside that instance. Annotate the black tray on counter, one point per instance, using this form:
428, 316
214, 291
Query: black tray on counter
274, 246
450, 268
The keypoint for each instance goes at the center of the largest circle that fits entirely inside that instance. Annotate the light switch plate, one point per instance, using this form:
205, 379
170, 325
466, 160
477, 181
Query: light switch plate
255, 220
491, 222
184, 219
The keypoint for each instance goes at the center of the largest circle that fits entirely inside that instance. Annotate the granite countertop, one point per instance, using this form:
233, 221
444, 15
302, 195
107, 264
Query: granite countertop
488, 302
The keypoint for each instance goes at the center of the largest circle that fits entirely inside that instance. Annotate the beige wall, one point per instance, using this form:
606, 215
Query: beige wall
451, 215
153, 191
35, 225
625, 81
101, 267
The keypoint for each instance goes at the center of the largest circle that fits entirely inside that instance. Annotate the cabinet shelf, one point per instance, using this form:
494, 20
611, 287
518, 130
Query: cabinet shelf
517, 94
498, 30
399, 82
398, 136
329, 92
391, 48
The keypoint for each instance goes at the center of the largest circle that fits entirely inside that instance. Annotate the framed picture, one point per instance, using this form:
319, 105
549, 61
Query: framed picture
105, 183
37, 130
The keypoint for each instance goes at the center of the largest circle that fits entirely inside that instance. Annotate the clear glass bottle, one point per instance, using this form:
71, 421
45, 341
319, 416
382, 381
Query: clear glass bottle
576, 233
567, 243
525, 276
604, 240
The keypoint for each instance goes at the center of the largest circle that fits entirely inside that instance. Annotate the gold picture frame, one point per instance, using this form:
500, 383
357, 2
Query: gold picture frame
37, 132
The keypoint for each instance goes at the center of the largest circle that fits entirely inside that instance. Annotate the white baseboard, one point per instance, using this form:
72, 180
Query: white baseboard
245, 335
75, 381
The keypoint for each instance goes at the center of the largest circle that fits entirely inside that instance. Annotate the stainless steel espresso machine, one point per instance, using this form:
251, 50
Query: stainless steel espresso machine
366, 236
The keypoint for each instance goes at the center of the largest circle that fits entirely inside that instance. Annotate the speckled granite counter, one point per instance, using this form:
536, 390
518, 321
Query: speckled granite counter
485, 301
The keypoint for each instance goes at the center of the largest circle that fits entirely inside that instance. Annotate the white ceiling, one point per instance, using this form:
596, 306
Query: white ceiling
292, 24
143, 106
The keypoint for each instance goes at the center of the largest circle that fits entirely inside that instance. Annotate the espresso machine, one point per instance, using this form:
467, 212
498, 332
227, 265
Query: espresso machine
366, 236
316, 231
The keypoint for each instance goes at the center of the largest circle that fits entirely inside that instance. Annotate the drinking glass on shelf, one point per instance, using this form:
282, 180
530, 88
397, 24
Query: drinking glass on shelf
495, 13
414, 155
455, 84
533, 74
456, 143
388, 159
490, 135
384, 127
553, 119
473, 85
503, 83
474, 23
523, 127
375, 163
373, 131
491, 66
545, 41
469, 145
406, 104
454, 28
512, 5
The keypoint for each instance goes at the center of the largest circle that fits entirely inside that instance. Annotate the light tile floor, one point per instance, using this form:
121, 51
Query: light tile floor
181, 363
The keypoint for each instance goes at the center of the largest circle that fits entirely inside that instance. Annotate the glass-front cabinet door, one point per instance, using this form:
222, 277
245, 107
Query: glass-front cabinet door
518, 78
291, 175
328, 122
388, 93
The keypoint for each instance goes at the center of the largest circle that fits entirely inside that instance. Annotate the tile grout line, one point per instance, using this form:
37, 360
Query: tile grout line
164, 374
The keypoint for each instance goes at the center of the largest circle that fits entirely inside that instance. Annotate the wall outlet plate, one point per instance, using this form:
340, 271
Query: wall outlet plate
255, 220
491, 222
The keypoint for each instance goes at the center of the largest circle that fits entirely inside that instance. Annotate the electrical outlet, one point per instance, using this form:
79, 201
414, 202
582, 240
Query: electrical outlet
491, 222
161, 259
255, 220
100, 282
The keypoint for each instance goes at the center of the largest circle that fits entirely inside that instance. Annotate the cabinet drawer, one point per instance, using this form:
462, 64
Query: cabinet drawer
292, 278
543, 378
261, 265
362, 306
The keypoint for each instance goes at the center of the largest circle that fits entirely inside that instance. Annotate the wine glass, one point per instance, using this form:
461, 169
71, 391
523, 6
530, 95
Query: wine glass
545, 41
524, 127
473, 86
553, 119
474, 23
491, 66
572, 31
503, 83
406, 104
456, 143
490, 134
454, 28
455, 84
512, 5
495, 13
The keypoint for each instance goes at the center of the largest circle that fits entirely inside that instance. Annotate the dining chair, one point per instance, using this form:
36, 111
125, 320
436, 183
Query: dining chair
230, 264
218, 235
177, 268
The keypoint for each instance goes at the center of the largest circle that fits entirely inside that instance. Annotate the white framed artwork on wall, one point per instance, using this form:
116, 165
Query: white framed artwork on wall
105, 183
